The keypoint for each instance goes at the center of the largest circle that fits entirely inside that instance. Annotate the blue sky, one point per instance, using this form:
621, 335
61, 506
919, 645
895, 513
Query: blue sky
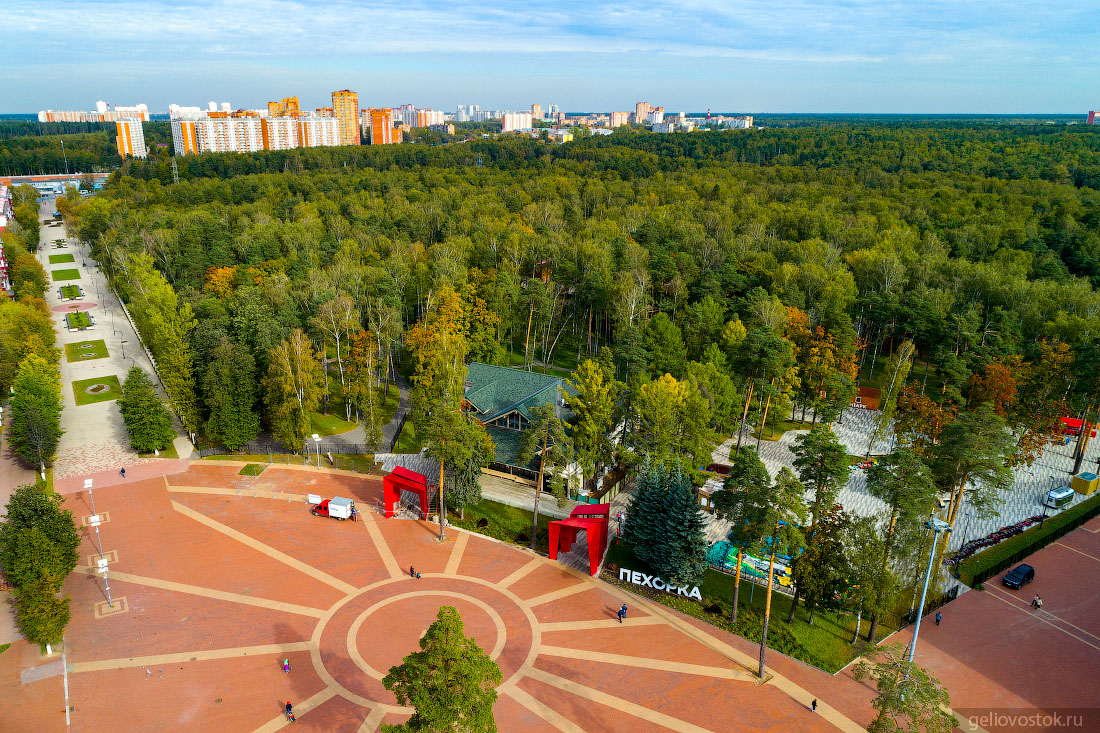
739, 55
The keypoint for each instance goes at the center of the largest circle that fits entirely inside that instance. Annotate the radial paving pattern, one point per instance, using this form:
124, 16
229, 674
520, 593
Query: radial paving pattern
217, 578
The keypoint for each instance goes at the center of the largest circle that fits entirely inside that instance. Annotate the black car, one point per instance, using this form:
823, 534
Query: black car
1019, 576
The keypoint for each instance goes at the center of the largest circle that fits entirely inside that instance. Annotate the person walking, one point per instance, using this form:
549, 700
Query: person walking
1039, 602
286, 666
1035, 601
412, 572
290, 712
122, 471
621, 613
939, 617
813, 706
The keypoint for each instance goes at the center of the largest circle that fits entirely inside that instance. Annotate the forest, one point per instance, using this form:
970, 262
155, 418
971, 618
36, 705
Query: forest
688, 285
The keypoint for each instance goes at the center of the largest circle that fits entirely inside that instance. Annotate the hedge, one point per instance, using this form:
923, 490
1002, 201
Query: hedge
984, 565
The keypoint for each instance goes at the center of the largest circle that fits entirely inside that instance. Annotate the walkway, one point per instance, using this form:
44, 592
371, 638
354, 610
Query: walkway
95, 439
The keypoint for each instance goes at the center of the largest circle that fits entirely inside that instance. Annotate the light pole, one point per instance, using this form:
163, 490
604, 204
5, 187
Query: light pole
317, 445
101, 563
123, 343
937, 526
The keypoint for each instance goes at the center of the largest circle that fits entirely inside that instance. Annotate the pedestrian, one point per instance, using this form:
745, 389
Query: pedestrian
418, 576
412, 572
286, 666
813, 706
939, 617
122, 471
1035, 601
290, 712
622, 613
1039, 602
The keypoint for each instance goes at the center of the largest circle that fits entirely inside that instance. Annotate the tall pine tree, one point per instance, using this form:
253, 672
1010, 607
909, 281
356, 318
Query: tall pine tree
682, 551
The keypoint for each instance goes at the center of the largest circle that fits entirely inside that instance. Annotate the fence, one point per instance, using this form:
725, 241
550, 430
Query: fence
932, 605
1040, 542
400, 427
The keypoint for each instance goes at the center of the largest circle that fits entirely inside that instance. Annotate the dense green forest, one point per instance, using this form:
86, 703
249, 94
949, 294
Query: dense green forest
688, 285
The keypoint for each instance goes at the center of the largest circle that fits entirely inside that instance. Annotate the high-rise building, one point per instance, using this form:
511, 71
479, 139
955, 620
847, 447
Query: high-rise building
380, 125
321, 131
286, 107
1093, 118
536, 111
130, 139
641, 110
103, 113
345, 107
552, 111
515, 121
618, 119
279, 133
655, 116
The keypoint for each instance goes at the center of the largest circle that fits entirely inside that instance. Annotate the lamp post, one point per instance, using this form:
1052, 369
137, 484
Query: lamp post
317, 446
101, 563
937, 526
123, 343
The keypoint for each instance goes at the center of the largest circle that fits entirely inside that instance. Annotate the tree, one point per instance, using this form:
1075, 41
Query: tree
920, 420
592, 397
897, 369
909, 697
672, 422
783, 511
974, 449
681, 554
229, 391
451, 682
362, 386
42, 615
470, 449
906, 485
546, 437
38, 539
337, 319
821, 572
36, 410
665, 345
739, 502
293, 389
148, 421
822, 465
870, 585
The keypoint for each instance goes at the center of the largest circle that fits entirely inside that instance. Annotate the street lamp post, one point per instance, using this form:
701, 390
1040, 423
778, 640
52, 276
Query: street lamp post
937, 526
101, 563
317, 445
123, 342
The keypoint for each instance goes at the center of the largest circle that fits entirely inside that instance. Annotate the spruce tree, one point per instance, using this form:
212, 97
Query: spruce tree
682, 550
644, 514
147, 419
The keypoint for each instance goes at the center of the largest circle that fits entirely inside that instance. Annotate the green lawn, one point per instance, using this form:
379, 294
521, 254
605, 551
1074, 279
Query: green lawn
329, 424
112, 392
79, 319
825, 644
252, 469
58, 259
70, 292
408, 442
503, 522
776, 432
65, 275
360, 462
169, 452
86, 350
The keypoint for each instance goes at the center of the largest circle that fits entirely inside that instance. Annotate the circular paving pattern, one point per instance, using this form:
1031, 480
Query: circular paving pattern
374, 629
98, 388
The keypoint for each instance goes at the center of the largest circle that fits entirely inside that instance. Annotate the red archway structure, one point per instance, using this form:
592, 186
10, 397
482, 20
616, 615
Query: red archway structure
592, 519
402, 479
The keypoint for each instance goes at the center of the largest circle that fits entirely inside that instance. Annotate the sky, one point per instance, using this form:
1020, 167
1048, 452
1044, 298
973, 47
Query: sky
920, 56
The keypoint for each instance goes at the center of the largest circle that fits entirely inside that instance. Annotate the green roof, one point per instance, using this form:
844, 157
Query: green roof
495, 390
506, 448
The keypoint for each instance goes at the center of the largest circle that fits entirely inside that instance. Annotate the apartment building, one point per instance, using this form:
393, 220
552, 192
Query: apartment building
536, 111
515, 121
378, 124
130, 139
345, 107
279, 133
285, 107
618, 119
103, 113
318, 131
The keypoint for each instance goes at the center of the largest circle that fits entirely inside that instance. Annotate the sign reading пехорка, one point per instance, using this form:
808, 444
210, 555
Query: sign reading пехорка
652, 581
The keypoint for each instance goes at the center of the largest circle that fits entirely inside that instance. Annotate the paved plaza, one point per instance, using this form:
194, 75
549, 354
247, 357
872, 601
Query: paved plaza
216, 578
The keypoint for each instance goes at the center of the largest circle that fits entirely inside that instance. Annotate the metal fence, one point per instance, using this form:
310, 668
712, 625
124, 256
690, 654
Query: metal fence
400, 427
932, 605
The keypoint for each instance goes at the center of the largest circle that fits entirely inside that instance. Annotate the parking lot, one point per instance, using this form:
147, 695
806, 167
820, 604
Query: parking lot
1002, 659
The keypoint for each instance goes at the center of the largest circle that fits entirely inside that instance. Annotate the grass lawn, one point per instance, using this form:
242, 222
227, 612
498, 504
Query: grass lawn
252, 469
407, 442
79, 319
361, 463
65, 275
825, 644
58, 259
110, 389
503, 522
776, 432
70, 292
86, 350
169, 452
329, 424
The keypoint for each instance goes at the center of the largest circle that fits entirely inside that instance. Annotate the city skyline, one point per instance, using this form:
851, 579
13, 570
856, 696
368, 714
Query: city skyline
790, 56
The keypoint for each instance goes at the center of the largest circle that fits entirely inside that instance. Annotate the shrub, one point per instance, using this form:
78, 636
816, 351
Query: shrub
42, 615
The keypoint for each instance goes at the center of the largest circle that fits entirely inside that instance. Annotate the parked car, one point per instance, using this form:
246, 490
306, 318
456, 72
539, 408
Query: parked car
1019, 576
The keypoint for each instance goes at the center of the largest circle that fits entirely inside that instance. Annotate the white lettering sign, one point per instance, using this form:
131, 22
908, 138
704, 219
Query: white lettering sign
652, 581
